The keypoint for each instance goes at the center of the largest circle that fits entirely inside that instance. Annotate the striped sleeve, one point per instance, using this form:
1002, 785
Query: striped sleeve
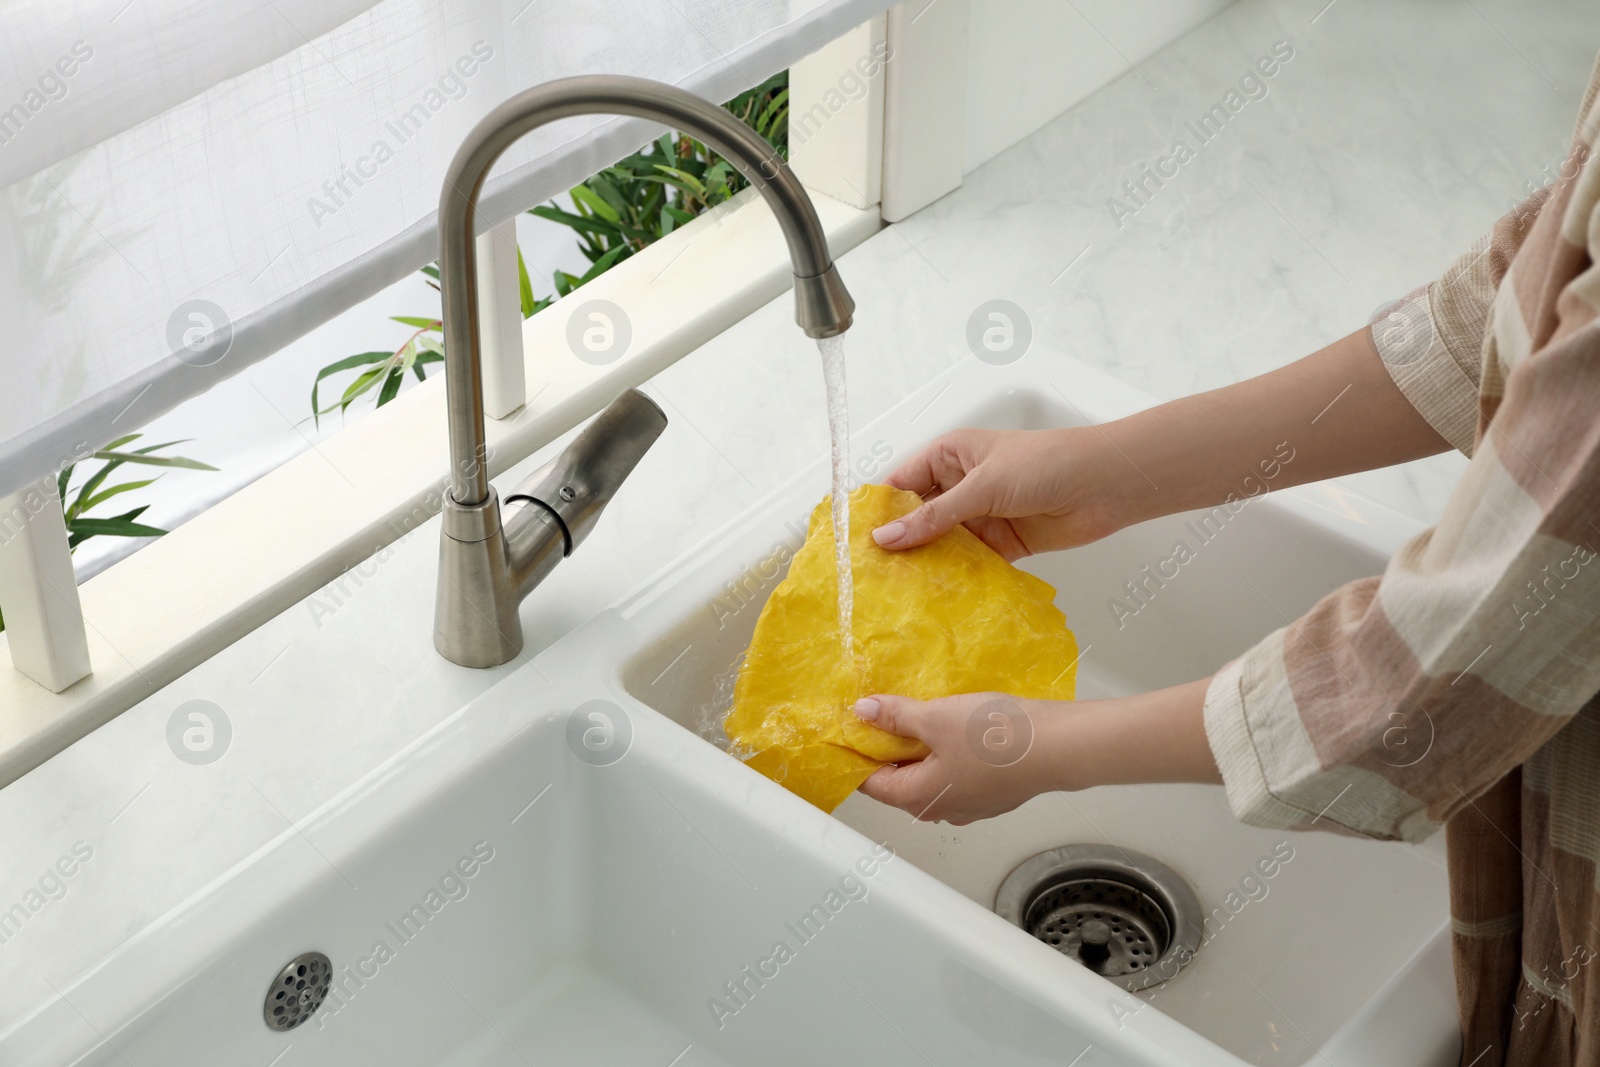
1397, 700
1431, 340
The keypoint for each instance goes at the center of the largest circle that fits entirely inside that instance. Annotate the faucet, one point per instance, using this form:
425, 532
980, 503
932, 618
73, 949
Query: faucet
489, 559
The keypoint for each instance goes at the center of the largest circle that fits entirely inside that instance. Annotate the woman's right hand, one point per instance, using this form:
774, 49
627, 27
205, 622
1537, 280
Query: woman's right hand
1027, 491
1021, 491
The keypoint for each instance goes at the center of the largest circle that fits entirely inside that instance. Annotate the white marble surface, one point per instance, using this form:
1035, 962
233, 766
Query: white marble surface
1397, 133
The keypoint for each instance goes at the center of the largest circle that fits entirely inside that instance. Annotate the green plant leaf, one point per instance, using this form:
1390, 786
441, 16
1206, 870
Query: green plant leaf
157, 448
366, 381
525, 287
584, 224
122, 487
79, 504
607, 190
421, 324
583, 195
90, 495
603, 264
403, 358
775, 109
719, 182
685, 180
334, 368
82, 529
156, 461
391, 385
423, 359
351, 361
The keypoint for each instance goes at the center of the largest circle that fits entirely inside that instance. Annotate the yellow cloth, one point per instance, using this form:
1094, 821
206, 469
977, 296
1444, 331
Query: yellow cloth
947, 618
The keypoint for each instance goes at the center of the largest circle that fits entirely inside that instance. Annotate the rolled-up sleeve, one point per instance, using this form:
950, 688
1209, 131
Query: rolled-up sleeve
1397, 700
1431, 340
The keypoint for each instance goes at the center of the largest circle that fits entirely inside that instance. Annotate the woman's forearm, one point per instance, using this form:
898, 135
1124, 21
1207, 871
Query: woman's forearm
1334, 412
1152, 737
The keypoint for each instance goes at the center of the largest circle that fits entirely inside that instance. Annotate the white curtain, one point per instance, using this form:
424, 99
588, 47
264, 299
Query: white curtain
187, 185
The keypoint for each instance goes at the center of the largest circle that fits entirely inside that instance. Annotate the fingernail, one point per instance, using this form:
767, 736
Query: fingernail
866, 708
889, 533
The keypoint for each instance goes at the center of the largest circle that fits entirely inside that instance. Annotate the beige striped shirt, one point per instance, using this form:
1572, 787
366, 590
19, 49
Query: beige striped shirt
1483, 635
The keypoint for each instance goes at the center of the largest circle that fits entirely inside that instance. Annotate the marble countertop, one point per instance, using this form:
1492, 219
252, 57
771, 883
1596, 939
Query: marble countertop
1392, 137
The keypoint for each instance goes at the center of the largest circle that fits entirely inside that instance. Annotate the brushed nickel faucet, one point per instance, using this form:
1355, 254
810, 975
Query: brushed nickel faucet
489, 560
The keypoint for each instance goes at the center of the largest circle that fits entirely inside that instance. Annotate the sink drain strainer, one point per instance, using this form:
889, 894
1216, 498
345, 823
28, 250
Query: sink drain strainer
1121, 914
297, 991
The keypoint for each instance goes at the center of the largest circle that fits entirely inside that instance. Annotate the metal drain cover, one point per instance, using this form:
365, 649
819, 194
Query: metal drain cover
1122, 914
298, 991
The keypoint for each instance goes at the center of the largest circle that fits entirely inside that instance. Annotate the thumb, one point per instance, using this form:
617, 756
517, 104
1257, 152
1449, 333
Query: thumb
901, 716
935, 517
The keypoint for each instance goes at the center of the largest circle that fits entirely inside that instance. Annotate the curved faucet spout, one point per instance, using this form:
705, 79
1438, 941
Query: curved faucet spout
823, 307
489, 560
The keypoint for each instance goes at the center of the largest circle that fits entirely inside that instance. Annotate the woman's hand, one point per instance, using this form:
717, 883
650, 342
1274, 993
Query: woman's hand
1021, 491
992, 752
985, 759
1034, 491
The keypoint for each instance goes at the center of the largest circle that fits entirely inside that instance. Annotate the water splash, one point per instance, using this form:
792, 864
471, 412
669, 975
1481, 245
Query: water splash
832, 349
710, 718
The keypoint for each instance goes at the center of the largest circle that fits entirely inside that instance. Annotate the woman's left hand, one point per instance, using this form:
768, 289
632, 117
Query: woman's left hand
987, 754
992, 752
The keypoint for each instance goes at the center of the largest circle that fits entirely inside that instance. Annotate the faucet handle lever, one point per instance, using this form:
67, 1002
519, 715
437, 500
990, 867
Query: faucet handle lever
577, 485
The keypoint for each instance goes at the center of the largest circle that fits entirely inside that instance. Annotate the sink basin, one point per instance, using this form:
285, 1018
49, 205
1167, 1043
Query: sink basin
566, 871
498, 894
1286, 962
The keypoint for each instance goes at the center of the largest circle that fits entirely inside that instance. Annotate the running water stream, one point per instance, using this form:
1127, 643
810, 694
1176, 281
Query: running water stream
832, 349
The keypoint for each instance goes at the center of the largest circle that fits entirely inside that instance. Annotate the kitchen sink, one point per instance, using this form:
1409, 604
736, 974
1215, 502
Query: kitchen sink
569, 871
1284, 962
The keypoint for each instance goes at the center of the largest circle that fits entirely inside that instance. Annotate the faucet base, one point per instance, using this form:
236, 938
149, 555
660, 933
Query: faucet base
475, 619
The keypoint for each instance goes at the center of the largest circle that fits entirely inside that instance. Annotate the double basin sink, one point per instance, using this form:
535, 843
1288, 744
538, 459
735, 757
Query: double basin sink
566, 871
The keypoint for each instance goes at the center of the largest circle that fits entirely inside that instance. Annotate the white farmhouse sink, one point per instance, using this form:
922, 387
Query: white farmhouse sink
1287, 961
631, 911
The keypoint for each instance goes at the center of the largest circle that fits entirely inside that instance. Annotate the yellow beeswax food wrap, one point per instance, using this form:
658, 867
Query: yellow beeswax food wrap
950, 617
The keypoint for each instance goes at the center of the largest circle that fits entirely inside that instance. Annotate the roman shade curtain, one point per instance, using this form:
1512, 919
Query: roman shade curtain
188, 185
